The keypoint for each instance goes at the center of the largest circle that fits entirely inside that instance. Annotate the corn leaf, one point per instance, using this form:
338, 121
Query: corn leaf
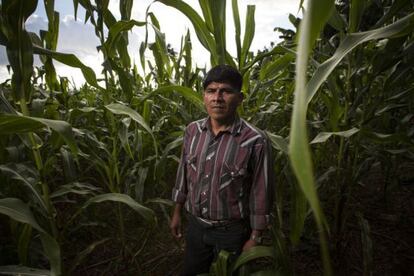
278, 142
218, 8
317, 14
351, 41
236, 18
70, 60
122, 109
186, 92
271, 68
206, 10
11, 124
356, 10
324, 136
252, 254
201, 29
116, 31
18, 210
145, 212
248, 34
20, 173
18, 44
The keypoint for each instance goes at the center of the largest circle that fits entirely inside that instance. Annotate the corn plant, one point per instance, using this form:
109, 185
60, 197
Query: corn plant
40, 181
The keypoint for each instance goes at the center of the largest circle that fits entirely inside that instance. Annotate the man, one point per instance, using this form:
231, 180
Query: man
224, 180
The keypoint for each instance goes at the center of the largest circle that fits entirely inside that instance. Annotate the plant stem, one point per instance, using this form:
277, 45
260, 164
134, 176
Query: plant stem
39, 165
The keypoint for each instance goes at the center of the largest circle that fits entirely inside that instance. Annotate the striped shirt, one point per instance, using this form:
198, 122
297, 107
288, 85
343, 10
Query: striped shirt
228, 176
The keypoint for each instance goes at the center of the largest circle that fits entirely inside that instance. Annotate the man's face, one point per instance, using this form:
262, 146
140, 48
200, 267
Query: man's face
221, 101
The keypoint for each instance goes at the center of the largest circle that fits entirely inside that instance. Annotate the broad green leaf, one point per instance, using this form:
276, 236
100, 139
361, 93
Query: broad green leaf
145, 212
276, 50
356, 10
252, 254
125, 8
76, 188
271, 68
336, 21
125, 78
50, 37
236, 18
122, 109
202, 32
250, 27
218, 9
278, 142
69, 166
186, 92
298, 213
52, 251
163, 201
315, 17
324, 136
18, 172
160, 51
12, 124
220, 266
24, 240
207, 14
70, 60
18, 44
351, 41
317, 14
116, 30
18, 210
123, 135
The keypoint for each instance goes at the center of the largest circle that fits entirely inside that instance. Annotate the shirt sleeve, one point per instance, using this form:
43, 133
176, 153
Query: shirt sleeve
179, 192
261, 193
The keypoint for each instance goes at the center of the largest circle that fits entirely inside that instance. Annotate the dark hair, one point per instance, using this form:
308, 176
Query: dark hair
224, 74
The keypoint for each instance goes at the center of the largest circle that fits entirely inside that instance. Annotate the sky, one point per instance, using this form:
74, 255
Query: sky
79, 38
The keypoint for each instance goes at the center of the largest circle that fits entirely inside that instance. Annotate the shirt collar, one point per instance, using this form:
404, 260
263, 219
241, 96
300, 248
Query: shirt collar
234, 129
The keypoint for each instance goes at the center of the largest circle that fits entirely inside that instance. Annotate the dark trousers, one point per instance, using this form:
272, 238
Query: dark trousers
203, 244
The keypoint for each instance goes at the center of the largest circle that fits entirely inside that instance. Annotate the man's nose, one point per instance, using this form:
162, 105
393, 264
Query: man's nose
218, 95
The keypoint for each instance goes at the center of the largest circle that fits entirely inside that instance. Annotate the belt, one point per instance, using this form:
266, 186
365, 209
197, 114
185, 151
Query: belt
216, 223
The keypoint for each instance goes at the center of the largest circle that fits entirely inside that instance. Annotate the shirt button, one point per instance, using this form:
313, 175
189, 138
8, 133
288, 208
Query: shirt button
203, 193
207, 176
204, 210
208, 158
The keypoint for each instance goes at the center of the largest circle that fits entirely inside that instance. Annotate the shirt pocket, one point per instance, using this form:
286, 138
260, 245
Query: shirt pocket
235, 172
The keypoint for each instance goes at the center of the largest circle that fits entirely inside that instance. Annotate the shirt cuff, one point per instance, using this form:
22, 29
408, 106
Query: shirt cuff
178, 196
259, 222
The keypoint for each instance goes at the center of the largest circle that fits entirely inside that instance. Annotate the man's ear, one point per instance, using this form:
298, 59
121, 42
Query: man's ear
241, 96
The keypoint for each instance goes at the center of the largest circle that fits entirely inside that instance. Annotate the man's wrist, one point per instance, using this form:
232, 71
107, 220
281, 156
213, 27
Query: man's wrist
256, 236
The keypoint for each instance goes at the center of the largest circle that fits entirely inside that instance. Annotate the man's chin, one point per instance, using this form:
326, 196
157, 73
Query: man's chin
221, 118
